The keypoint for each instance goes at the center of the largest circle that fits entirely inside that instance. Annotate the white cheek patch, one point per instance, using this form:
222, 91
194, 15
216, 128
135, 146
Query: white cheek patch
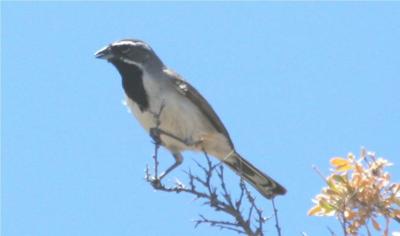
131, 62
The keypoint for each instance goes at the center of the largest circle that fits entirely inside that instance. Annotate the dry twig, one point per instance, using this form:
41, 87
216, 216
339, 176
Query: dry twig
218, 198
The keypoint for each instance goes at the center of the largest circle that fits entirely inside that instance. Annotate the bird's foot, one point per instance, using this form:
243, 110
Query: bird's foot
196, 144
156, 183
155, 135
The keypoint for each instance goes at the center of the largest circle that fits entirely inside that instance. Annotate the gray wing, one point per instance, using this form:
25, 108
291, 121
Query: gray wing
197, 99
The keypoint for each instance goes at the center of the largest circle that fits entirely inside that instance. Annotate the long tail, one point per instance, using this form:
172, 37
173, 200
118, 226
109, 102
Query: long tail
268, 187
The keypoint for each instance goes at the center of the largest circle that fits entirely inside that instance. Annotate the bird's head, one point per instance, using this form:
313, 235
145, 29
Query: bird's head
130, 51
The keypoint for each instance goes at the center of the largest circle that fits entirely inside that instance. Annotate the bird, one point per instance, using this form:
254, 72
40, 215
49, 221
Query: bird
173, 111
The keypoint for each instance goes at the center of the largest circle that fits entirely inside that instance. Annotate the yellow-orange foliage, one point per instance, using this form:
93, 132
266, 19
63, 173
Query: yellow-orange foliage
358, 191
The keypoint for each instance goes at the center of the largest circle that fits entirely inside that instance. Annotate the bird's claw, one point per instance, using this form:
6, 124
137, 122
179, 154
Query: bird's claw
155, 135
156, 183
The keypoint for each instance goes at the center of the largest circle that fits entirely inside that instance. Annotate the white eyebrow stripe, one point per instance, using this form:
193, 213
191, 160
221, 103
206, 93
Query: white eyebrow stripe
121, 43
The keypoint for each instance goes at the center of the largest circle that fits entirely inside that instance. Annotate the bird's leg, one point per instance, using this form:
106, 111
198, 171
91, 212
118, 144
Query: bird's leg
178, 160
156, 132
156, 181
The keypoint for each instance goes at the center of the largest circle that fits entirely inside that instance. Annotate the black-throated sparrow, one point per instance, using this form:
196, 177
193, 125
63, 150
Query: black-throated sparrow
186, 120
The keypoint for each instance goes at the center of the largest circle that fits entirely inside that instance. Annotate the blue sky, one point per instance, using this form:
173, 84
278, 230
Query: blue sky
295, 84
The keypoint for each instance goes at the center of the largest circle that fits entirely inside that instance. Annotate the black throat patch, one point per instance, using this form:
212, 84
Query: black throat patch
132, 82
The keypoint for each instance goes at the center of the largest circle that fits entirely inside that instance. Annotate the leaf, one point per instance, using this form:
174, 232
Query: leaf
341, 164
315, 210
396, 201
331, 192
327, 207
339, 161
396, 188
331, 184
345, 168
339, 178
376, 225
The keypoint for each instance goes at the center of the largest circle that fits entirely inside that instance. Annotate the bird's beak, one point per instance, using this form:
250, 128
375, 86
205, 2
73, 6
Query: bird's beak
104, 53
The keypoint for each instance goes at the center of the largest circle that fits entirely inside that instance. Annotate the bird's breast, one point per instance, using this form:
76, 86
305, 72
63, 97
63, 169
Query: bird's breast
179, 116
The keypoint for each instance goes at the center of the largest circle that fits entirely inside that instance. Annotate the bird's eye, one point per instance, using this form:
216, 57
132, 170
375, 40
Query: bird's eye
124, 49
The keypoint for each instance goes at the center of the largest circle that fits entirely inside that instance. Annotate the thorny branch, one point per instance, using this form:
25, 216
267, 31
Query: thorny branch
217, 197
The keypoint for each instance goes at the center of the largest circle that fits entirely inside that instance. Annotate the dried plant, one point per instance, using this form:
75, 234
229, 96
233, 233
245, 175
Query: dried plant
359, 193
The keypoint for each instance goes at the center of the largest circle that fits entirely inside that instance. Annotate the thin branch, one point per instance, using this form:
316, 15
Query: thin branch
316, 169
331, 231
278, 228
343, 222
220, 224
203, 188
367, 229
